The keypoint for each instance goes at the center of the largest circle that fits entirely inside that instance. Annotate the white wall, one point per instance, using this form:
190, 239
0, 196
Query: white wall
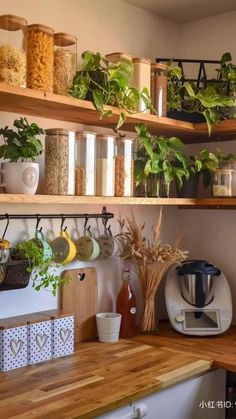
106, 26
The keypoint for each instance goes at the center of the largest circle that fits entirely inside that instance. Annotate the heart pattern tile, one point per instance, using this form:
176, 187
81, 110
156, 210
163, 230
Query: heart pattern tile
65, 334
41, 340
16, 346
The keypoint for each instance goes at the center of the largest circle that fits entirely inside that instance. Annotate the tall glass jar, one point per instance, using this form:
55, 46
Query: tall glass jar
65, 59
40, 58
124, 167
85, 170
12, 50
59, 162
105, 166
142, 78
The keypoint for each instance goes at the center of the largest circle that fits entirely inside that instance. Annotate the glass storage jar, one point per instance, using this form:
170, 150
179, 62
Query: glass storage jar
85, 170
222, 183
40, 58
142, 78
105, 165
12, 50
59, 162
65, 59
124, 167
231, 164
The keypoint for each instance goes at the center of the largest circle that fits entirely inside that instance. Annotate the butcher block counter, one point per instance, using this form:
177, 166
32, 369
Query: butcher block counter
100, 377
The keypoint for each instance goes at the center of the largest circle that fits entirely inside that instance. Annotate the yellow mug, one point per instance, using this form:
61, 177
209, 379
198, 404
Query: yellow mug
64, 249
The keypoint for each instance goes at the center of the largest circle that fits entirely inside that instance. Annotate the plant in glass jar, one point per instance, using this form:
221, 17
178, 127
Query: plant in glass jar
201, 165
107, 83
150, 259
21, 147
155, 157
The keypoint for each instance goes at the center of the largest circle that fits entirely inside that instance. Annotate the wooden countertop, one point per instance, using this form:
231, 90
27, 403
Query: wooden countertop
101, 377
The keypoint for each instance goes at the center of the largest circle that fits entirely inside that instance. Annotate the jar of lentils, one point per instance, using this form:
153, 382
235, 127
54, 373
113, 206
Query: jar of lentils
40, 58
59, 162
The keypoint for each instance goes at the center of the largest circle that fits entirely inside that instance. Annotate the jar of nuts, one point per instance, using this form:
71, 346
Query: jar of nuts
59, 162
65, 59
12, 50
40, 58
85, 170
124, 167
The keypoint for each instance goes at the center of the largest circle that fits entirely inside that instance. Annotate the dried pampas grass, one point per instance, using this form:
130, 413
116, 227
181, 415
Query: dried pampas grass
151, 260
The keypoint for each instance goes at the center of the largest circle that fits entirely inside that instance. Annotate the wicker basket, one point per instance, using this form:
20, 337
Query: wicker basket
16, 275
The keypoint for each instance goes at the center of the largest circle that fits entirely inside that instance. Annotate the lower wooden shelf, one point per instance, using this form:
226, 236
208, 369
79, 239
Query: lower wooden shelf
104, 200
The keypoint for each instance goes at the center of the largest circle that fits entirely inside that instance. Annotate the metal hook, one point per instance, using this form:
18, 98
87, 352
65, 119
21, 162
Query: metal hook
37, 224
4, 233
86, 221
62, 222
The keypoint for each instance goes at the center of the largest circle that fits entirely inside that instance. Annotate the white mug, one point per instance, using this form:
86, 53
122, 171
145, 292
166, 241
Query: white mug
20, 177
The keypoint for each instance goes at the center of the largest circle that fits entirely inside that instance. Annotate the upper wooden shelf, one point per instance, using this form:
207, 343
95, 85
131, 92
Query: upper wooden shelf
32, 102
110, 200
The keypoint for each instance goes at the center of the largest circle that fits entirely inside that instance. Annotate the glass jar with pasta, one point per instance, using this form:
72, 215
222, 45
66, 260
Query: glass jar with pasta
12, 50
65, 49
40, 58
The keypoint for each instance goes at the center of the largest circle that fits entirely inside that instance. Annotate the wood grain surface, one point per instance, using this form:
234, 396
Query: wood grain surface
98, 378
81, 298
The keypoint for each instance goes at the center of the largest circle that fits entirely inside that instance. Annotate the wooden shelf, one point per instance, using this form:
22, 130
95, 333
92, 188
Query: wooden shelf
102, 200
32, 102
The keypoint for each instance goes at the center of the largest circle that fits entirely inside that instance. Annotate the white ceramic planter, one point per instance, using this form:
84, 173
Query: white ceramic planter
108, 325
20, 177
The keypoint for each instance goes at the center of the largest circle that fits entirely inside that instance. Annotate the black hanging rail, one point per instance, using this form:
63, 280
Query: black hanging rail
104, 215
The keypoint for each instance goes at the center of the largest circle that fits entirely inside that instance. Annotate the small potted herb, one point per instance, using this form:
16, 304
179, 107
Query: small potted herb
20, 148
201, 165
108, 83
44, 272
154, 162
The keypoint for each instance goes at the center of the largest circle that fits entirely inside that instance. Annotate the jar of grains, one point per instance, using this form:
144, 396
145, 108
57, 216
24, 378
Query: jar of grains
222, 183
105, 165
124, 167
65, 59
59, 162
85, 170
12, 50
40, 58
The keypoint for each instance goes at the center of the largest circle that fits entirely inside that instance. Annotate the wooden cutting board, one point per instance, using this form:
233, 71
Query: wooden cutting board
80, 296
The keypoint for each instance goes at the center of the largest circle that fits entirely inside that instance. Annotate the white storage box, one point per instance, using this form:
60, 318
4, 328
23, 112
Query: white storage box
13, 344
62, 332
39, 331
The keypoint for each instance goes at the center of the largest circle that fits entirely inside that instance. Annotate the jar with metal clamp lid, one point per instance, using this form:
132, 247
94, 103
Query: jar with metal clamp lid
12, 50
65, 58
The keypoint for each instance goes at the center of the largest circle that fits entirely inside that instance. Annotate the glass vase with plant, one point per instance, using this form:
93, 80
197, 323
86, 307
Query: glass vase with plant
108, 83
154, 161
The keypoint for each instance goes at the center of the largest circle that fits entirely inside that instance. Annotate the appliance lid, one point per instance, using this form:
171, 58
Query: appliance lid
194, 267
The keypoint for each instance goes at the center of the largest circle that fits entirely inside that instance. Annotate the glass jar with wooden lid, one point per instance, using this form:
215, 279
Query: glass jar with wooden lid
59, 162
12, 50
124, 167
142, 78
105, 165
159, 88
40, 58
222, 183
116, 57
65, 60
85, 170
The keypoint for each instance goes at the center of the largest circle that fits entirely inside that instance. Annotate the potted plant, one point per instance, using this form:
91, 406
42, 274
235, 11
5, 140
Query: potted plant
154, 162
20, 148
108, 83
43, 269
203, 164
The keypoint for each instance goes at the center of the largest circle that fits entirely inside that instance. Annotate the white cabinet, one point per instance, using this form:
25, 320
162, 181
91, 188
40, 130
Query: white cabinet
182, 401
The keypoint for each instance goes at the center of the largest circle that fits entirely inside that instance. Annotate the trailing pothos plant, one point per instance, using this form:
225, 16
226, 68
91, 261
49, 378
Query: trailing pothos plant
43, 271
156, 154
108, 84
21, 144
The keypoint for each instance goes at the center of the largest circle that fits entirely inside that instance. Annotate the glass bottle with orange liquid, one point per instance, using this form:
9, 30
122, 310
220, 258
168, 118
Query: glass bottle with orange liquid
126, 306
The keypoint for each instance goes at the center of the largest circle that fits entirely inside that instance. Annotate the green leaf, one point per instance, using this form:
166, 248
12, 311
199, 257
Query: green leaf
226, 57
98, 100
121, 120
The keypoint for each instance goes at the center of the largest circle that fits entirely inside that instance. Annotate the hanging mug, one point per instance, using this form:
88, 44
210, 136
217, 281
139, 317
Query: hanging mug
4, 256
64, 249
108, 246
43, 244
87, 247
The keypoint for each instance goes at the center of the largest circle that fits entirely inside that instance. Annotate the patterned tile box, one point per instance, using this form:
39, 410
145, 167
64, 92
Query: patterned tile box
62, 332
13, 344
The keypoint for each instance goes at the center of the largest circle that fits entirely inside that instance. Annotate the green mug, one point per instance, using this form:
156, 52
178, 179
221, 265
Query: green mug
43, 244
87, 248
